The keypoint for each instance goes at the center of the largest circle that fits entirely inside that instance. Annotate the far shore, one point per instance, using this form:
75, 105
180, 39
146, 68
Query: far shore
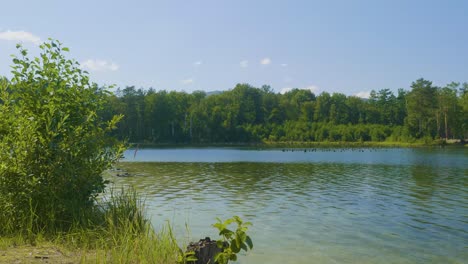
306, 144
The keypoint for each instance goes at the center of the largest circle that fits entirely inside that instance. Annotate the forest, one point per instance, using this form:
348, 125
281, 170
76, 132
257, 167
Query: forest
247, 114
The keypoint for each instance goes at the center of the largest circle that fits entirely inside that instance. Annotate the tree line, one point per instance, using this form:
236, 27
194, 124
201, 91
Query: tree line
251, 114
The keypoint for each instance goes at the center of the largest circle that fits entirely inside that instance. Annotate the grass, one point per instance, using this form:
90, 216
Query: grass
118, 232
345, 144
306, 144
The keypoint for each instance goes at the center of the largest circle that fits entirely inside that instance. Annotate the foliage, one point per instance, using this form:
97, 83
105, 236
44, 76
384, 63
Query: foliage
118, 232
250, 114
186, 257
422, 102
233, 241
53, 144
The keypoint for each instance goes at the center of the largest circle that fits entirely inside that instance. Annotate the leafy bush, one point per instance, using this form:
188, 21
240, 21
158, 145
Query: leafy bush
53, 145
233, 241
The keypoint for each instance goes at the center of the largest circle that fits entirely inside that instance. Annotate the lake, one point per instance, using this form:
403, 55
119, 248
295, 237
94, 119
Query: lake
313, 205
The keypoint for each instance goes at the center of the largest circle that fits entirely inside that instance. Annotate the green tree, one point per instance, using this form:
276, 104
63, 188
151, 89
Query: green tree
448, 109
338, 109
53, 145
421, 106
356, 109
463, 102
322, 107
134, 118
247, 113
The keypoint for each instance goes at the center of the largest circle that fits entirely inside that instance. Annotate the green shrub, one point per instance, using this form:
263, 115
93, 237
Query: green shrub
233, 241
53, 145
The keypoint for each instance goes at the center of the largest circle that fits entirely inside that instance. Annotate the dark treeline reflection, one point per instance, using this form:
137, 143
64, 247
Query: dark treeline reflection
250, 114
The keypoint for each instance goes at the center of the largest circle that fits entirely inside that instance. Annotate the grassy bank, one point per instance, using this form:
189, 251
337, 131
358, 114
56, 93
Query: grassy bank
117, 231
364, 144
305, 144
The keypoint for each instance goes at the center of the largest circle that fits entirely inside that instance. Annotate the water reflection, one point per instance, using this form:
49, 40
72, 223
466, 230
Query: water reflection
325, 212
424, 179
394, 156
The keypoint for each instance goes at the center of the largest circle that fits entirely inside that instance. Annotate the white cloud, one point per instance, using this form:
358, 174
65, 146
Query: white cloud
284, 65
285, 90
244, 63
363, 94
265, 61
99, 65
20, 36
187, 81
312, 88
197, 63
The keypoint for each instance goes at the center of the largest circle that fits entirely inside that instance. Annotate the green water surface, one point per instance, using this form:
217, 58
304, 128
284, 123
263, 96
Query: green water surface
314, 205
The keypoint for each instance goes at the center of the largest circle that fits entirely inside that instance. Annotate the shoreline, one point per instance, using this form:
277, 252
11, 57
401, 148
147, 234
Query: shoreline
303, 144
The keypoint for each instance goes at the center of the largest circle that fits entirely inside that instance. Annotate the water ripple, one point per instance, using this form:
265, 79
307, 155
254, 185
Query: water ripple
329, 212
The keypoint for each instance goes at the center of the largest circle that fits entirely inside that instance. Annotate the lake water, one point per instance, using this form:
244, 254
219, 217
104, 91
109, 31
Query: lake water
314, 205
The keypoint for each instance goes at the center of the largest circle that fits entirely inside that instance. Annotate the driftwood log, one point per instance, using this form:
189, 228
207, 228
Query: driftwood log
205, 251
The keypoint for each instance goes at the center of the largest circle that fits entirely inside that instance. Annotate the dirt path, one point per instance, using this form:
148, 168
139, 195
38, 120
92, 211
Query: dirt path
44, 254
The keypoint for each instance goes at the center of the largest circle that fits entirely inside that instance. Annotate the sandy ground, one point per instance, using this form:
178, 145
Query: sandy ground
43, 254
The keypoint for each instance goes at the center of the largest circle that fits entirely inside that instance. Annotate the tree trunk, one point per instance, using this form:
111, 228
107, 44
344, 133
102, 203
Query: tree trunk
446, 126
191, 127
172, 124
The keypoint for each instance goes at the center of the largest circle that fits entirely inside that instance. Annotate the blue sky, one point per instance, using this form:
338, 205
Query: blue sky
350, 47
